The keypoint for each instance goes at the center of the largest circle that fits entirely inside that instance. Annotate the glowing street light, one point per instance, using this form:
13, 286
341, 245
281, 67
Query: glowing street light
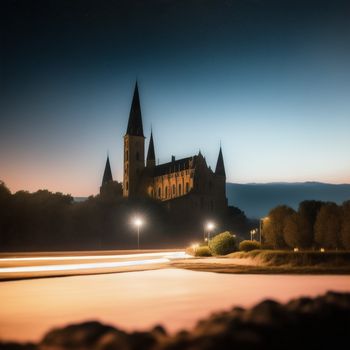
252, 233
138, 223
210, 227
261, 226
194, 247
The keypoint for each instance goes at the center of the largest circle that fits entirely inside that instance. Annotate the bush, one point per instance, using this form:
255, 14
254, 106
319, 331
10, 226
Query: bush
202, 251
222, 244
247, 246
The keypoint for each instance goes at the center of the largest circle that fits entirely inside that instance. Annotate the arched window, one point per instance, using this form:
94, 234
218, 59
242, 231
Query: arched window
187, 187
127, 185
159, 192
166, 191
179, 189
126, 155
174, 189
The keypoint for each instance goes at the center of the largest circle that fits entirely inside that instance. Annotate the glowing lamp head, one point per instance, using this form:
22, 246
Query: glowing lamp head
210, 226
138, 222
194, 246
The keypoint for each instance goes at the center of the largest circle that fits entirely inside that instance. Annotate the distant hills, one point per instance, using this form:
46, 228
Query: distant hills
257, 199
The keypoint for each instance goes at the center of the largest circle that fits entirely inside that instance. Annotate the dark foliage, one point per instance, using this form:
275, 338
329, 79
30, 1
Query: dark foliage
222, 244
316, 224
308, 323
53, 221
247, 246
274, 226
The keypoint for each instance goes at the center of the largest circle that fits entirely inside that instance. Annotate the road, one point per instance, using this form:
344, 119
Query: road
35, 265
139, 300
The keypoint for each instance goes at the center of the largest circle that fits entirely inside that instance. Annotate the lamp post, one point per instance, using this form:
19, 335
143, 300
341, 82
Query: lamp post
210, 227
138, 223
261, 226
252, 233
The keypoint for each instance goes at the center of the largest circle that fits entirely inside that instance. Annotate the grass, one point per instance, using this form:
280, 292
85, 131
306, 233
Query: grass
274, 262
300, 258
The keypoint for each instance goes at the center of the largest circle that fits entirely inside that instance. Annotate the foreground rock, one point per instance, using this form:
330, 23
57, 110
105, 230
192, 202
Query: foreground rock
318, 323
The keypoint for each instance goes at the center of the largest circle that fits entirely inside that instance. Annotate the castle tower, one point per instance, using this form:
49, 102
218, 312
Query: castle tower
134, 148
151, 157
220, 166
107, 175
220, 173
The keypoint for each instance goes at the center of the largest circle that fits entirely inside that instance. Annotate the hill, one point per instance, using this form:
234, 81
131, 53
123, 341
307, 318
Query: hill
257, 199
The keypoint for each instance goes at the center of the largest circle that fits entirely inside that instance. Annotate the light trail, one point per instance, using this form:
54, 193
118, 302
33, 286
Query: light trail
175, 255
71, 267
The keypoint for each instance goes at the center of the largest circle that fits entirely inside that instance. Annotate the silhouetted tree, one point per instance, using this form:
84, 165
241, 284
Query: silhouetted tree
5, 199
292, 232
53, 221
328, 225
307, 214
274, 227
345, 225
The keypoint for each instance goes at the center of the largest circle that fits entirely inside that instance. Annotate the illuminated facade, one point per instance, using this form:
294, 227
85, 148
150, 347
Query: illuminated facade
188, 183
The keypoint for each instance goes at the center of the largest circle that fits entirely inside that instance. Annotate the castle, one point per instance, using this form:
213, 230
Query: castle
187, 184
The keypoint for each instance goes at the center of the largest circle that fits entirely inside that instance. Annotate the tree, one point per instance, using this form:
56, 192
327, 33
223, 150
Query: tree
291, 231
5, 200
328, 225
345, 225
274, 226
222, 244
307, 214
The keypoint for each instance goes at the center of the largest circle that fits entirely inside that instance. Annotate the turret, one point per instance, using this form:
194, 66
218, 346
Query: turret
134, 148
220, 175
151, 157
107, 175
220, 166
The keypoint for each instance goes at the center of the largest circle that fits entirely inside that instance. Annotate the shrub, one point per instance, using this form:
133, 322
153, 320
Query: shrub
202, 251
247, 246
222, 244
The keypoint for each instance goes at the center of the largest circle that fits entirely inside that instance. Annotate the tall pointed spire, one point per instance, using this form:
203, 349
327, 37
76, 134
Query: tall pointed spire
151, 157
220, 166
107, 175
135, 127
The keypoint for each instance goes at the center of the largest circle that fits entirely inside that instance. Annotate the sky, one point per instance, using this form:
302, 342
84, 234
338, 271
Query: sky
269, 79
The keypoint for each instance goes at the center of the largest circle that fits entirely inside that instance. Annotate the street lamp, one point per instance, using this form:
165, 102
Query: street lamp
252, 233
261, 226
138, 223
210, 227
194, 247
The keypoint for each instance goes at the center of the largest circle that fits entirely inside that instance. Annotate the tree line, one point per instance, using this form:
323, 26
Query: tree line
315, 224
54, 221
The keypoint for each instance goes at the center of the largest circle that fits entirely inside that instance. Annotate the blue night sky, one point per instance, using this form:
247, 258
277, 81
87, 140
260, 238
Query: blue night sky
269, 79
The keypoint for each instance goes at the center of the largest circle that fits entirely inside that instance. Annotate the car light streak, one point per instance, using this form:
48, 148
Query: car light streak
174, 255
72, 267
